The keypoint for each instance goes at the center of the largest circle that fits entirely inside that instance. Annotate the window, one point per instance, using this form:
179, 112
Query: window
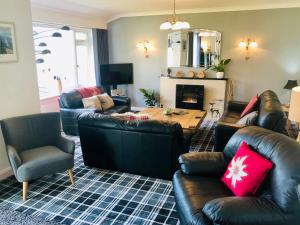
64, 58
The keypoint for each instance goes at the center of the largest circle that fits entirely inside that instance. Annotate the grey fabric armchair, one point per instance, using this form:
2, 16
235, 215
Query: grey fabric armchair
35, 147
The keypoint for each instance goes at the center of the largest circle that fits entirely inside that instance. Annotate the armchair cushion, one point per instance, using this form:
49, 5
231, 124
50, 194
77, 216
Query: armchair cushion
66, 145
42, 161
243, 211
14, 158
203, 163
191, 194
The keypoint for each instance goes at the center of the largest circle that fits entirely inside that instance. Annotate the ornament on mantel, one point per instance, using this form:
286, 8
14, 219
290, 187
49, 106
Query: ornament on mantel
200, 74
179, 74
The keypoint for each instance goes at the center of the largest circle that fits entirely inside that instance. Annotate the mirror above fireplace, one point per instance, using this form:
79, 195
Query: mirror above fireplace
193, 48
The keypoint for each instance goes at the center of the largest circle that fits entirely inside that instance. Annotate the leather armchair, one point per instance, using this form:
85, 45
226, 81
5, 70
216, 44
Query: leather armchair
35, 147
71, 107
202, 198
150, 148
270, 116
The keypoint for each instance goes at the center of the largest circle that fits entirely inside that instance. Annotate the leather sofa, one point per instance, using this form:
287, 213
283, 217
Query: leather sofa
270, 116
202, 198
150, 148
71, 107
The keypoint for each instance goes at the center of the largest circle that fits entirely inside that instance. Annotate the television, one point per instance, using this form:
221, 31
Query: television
114, 74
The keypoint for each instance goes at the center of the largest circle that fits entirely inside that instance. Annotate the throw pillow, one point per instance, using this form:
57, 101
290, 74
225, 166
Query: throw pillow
249, 119
251, 106
106, 101
92, 103
246, 171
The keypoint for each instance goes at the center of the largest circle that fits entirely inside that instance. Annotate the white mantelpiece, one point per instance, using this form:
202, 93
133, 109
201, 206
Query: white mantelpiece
214, 91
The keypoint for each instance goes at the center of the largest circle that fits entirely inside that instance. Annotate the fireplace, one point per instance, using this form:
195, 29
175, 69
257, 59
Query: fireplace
189, 96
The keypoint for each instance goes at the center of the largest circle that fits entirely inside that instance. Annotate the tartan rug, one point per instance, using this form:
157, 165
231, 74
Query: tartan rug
100, 196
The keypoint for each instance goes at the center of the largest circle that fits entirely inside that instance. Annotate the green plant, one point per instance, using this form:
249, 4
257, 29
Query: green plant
150, 96
220, 67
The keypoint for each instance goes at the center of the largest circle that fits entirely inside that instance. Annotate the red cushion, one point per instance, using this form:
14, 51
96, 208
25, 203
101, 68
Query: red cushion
246, 171
251, 106
88, 91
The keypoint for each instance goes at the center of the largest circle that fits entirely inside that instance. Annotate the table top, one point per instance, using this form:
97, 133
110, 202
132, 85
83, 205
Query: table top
191, 119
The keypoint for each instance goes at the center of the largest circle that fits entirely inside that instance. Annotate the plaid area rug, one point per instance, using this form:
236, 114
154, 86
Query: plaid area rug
100, 196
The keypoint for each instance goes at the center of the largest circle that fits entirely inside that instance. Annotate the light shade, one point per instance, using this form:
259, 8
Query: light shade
66, 28
38, 61
56, 34
294, 111
290, 84
166, 26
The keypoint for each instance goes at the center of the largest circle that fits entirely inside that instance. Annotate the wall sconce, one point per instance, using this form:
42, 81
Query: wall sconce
247, 45
145, 45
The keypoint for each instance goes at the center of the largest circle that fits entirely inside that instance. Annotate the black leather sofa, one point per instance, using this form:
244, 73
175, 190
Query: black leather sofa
150, 148
71, 107
270, 116
202, 198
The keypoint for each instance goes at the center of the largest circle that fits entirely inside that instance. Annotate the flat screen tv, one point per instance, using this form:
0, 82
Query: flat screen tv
114, 74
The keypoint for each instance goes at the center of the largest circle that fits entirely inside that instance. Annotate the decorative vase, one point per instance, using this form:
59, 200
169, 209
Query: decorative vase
220, 75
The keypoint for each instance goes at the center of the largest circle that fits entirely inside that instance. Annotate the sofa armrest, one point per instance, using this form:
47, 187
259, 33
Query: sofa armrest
223, 132
65, 145
203, 163
236, 106
243, 211
119, 100
14, 158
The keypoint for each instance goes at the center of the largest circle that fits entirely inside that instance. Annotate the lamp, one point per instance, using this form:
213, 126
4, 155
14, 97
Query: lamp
146, 45
247, 45
174, 22
294, 111
290, 84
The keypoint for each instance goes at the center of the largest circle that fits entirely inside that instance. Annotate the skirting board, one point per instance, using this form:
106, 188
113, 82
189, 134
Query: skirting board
5, 173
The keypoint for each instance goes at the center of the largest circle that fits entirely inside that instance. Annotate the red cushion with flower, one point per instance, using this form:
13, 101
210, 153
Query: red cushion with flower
246, 171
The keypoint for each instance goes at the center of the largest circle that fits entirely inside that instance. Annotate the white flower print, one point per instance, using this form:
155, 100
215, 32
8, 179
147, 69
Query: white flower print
236, 170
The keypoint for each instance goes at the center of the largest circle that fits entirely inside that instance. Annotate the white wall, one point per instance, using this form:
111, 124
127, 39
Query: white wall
40, 14
18, 80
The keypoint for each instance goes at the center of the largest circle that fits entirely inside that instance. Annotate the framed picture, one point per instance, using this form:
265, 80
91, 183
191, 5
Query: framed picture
8, 48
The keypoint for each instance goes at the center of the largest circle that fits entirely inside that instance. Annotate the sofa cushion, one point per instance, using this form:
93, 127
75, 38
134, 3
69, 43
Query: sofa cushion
249, 119
38, 162
243, 177
271, 115
92, 102
106, 101
71, 100
251, 106
86, 92
193, 192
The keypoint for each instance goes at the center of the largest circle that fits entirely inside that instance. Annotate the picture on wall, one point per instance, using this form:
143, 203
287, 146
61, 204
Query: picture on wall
8, 50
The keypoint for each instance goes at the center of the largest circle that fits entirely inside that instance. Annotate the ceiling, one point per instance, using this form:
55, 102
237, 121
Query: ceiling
112, 9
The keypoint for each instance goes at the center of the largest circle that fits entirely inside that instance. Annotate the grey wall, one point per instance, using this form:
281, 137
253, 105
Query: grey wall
276, 59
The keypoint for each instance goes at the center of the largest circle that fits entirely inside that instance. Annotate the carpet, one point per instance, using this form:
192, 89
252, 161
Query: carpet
100, 196
10, 217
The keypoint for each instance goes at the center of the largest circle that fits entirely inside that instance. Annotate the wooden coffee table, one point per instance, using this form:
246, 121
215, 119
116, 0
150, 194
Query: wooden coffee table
191, 120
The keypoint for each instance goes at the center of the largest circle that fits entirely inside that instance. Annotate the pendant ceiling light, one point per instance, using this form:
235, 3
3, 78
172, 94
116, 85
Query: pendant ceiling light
175, 23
